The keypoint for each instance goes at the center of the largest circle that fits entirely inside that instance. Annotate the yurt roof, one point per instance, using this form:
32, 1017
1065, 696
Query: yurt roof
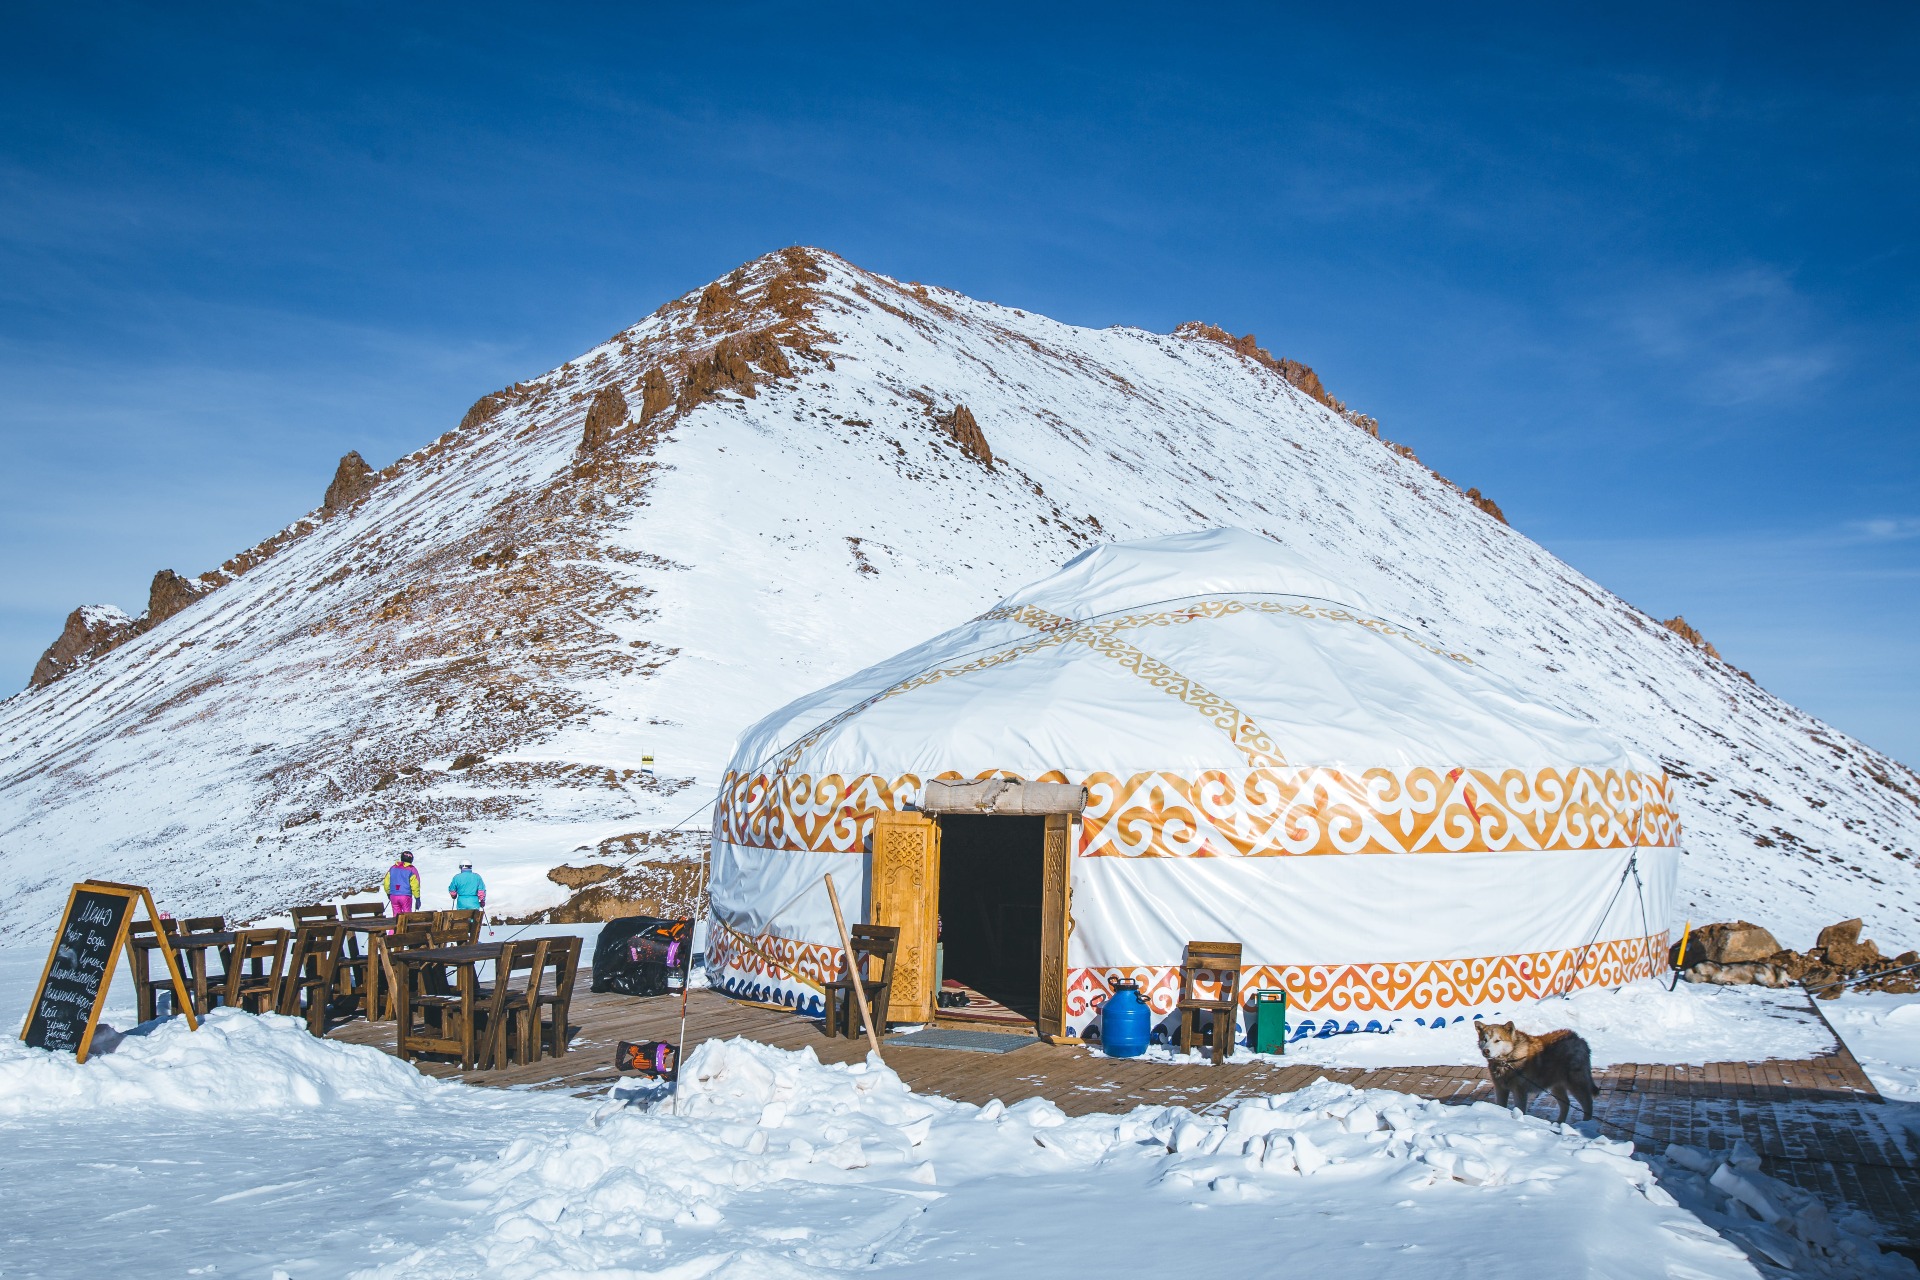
1213, 650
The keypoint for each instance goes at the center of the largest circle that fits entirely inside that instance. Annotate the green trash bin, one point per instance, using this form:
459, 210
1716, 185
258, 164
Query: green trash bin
1270, 1021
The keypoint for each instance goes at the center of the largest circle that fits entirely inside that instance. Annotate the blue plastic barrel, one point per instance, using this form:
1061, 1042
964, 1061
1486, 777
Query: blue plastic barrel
1125, 1021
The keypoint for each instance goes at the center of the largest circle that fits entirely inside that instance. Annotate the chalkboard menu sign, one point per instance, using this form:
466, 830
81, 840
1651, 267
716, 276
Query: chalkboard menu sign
73, 987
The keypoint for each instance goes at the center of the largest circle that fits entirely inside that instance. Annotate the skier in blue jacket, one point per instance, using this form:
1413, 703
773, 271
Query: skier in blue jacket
467, 890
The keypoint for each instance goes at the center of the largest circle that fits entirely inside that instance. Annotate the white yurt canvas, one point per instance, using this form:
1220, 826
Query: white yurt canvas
1390, 831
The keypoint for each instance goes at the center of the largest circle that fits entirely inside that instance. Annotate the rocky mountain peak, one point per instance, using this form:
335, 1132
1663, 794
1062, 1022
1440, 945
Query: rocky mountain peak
808, 486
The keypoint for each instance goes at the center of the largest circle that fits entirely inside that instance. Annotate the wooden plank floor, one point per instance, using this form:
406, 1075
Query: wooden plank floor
1818, 1123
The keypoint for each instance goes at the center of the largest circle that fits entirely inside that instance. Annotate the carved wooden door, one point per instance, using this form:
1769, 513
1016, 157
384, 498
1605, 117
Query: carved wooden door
906, 894
1056, 900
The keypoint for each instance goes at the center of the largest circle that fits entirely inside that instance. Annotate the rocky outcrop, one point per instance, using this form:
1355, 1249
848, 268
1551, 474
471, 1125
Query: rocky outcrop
1300, 377
169, 594
605, 416
91, 630
739, 364
1680, 627
1486, 504
966, 433
94, 629
676, 889
656, 395
353, 479
488, 407
716, 300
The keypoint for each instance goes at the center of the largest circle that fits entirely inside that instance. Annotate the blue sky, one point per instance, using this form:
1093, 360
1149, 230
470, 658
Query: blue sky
1648, 278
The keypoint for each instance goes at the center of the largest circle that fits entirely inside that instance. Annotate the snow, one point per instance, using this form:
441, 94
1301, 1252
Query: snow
1883, 1032
1639, 1022
308, 1158
234, 1062
251, 1148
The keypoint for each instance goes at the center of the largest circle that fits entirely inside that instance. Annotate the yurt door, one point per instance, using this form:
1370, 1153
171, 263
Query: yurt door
906, 893
1056, 921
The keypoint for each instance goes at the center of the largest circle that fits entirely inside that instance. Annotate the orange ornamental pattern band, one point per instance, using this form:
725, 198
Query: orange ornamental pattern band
1403, 985
771, 958
1266, 812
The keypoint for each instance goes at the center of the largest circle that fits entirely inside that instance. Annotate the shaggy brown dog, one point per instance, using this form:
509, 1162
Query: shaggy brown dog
1558, 1062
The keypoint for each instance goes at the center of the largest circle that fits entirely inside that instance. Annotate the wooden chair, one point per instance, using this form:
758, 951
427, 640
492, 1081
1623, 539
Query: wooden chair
382, 997
549, 1013
362, 910
203, 924
509, 1015
456, 928
870, 942
254, 971
1222, 961
314, 915
308, 986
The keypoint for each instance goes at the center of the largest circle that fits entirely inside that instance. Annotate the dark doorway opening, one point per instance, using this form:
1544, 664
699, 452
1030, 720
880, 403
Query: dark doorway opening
990, 882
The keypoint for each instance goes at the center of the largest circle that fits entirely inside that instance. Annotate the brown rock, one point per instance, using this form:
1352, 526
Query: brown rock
1851, 957
715, 301
730, 366
91, 630
352, 480
1686, 631
581, 877
656, 394
967, 434
484, 410
673, 889
1487, 505
466, 760
169, 594
606, 415
1847, 932
1732, 943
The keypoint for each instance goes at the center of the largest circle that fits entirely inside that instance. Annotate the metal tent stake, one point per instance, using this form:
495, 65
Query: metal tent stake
859, 987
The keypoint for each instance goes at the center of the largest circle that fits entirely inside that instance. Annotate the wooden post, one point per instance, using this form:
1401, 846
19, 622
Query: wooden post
859, 987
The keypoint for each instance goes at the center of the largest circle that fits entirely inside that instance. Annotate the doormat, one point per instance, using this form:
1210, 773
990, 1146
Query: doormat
970, 1041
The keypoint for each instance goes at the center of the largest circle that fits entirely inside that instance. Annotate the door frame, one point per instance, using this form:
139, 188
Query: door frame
904, 891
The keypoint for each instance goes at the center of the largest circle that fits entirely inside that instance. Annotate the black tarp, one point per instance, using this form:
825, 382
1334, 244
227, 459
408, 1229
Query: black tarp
637, 955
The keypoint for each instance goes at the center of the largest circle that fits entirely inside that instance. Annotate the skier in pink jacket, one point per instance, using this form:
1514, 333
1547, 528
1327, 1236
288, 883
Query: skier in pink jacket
402, 885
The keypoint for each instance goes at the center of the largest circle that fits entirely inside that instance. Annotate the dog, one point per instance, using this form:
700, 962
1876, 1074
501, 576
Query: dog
1523, 1065
1758, 973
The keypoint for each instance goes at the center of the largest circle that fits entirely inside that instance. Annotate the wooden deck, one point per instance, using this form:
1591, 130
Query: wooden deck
1818, 1124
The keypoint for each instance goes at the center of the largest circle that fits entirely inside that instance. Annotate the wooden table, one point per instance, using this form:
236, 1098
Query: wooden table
192, 950
463, 1004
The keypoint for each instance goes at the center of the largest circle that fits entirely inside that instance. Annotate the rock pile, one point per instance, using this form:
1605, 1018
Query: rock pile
1738, 953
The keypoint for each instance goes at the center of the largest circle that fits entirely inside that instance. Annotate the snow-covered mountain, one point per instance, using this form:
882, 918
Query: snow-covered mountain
763, 486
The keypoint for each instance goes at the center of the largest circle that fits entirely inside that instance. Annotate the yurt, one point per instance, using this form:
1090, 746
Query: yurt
1195, 737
